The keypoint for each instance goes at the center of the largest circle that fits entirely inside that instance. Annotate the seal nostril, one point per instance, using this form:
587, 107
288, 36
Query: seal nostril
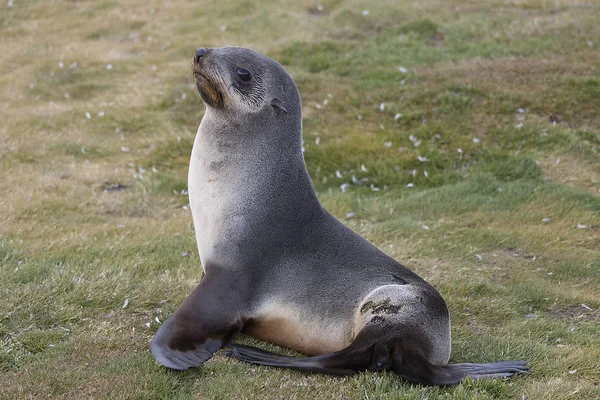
201, 52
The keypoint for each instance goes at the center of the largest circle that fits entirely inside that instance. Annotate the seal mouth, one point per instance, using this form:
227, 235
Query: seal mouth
208, 87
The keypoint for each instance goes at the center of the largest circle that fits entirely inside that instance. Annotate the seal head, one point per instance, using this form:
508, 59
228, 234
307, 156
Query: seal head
239, 80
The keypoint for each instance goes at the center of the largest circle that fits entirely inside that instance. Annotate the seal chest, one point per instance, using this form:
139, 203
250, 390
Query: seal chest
277, 265
207, 195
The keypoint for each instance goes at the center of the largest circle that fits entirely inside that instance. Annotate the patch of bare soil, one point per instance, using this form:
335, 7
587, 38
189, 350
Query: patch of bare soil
580, 312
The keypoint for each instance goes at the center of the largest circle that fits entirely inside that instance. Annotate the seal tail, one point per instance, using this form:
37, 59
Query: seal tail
413, 368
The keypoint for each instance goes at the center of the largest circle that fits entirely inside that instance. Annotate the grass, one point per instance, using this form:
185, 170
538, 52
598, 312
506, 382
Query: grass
476, 120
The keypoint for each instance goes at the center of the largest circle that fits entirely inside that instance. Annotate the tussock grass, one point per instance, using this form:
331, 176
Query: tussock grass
489, 182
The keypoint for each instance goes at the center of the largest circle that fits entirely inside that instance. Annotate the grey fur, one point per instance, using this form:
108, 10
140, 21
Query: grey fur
277, 264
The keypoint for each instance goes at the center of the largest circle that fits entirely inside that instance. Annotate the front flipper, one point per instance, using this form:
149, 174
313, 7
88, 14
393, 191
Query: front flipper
174, 349
203, 324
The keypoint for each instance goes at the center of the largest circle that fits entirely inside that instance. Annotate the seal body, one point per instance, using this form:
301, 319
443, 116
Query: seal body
278, 266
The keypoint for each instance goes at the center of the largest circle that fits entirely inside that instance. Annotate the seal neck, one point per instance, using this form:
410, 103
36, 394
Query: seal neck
254, 165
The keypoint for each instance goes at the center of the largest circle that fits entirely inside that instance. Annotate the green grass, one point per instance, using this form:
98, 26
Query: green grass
489, 182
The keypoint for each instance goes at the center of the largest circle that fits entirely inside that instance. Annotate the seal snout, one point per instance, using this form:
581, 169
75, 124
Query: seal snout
201, 52
206, 75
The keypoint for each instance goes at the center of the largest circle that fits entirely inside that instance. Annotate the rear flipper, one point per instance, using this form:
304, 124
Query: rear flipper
311, 364
413, 368
501, 369
418, 370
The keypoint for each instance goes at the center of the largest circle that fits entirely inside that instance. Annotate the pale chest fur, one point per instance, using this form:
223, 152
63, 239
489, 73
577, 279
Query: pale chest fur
210, 196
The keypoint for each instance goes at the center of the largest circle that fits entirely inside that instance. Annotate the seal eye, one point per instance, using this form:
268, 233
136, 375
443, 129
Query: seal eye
244, 74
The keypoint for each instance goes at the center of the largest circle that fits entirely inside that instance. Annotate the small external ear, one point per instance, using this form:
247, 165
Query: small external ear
278, 105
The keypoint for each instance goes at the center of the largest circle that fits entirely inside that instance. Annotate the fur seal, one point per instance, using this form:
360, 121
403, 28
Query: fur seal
277, 265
